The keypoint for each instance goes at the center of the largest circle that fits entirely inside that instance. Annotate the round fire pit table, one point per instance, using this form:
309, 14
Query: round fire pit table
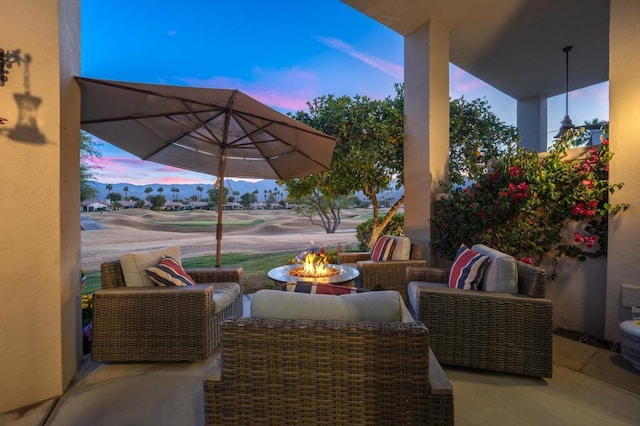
282, 274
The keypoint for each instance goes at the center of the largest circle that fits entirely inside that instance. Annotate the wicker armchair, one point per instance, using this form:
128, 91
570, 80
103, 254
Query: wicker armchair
383, 275
511, 333
159, 323
306, 372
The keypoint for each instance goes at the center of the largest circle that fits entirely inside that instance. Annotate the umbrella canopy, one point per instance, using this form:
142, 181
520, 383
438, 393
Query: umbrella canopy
220, 132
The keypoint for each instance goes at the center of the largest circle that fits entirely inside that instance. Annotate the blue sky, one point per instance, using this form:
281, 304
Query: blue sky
283, 53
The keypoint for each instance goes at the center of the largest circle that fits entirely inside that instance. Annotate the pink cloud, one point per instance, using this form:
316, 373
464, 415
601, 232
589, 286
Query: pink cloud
462, 83
287, 89
117, 169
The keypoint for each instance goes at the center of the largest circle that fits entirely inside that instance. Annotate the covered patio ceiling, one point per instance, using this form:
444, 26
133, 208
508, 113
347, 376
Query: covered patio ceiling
514, 45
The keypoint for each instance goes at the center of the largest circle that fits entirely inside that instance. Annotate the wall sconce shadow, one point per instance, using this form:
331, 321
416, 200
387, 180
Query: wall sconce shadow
26, 128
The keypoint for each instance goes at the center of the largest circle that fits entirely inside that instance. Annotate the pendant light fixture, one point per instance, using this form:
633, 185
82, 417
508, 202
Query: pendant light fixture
566, 123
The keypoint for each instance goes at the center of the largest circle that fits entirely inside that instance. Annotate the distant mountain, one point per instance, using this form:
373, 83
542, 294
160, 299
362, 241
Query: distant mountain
186, 190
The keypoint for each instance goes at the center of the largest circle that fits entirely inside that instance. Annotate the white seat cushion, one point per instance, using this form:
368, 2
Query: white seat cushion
224, 294
380, 306
134, 265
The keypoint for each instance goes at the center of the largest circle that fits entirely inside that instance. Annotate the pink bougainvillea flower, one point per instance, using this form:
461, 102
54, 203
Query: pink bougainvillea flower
588, 184
515, 171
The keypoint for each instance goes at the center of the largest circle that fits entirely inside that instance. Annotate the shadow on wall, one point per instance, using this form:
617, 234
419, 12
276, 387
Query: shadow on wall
26, 128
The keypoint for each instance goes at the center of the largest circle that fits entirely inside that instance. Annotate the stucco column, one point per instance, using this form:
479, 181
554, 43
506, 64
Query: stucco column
624, 128
40, 345
532, 123
426, 108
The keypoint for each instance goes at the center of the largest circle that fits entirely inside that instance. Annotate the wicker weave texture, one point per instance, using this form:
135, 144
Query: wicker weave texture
300, 372
492, 331
157, 323
384, 275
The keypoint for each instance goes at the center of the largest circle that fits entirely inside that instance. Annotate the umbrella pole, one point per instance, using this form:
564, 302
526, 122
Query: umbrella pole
223, 161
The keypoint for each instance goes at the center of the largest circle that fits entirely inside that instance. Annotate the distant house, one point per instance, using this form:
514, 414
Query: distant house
126, 204
174, 205
232, 206
93, 206
198, 205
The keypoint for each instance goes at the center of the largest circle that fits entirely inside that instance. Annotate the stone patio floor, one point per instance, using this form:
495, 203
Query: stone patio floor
590, 386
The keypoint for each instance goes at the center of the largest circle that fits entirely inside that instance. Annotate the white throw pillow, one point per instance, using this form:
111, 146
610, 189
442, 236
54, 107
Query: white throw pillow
134, 265
502, 274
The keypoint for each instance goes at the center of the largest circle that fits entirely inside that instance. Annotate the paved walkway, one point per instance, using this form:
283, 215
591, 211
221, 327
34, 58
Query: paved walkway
590, 386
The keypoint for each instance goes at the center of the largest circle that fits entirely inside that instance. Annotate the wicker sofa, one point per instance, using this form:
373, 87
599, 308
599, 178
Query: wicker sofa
160, 323
386, 274
497, 331
276, 371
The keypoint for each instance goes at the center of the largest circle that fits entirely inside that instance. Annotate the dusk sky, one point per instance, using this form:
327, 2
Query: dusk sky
283, 53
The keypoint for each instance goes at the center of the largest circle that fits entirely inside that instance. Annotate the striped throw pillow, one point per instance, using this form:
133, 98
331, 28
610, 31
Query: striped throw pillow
313, 288
169, 272
383, 248
467, 269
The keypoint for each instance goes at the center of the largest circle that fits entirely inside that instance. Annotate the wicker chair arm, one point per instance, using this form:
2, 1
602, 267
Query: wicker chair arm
532, 281
157, 295
428, 275
387, 275
215, 275
353, 257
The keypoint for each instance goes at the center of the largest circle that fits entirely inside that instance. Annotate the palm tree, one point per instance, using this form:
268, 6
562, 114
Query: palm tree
265, 195
148, 190
126, 192
109, 187
173, 189
236, 195
199, 189
177, 191
160, 190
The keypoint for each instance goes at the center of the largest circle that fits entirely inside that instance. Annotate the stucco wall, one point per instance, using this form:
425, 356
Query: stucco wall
39, 166
624, 106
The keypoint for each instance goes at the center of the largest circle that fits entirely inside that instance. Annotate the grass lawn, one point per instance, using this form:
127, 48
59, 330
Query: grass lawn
254, 275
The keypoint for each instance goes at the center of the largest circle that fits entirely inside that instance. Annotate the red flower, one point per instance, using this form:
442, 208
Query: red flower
515, 171
588, 184
528, 260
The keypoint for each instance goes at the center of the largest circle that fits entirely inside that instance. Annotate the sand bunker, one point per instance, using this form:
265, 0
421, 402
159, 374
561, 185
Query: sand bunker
135, 230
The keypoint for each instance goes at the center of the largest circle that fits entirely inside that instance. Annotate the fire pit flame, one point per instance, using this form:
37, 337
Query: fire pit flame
314, 265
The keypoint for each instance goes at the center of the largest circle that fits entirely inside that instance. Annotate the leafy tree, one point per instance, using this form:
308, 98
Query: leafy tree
157, 201
89, 157
312, 203
214, 193
368, 155
247, 198
477, 137
115, 196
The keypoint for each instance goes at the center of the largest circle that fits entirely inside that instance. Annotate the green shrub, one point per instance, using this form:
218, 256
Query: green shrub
363, 231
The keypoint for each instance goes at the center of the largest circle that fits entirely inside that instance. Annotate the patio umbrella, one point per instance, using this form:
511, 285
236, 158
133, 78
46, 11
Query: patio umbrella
220, 132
